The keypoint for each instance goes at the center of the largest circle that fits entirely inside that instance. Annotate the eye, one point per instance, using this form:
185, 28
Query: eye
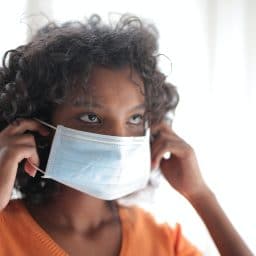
136, 119
90, 118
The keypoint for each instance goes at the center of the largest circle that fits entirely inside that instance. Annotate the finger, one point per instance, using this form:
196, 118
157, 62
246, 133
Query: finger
160, 152
160, 141
20, 126
179, 149
28, 167
161, 127
25, 152
155, 147
170, 143
29, 140
16, 153
24, 139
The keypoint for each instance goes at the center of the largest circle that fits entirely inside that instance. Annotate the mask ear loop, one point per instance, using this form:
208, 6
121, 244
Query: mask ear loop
50, 126
147, 129
46, 124
37, 168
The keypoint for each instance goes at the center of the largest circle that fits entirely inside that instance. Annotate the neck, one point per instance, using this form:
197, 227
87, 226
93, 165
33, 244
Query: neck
76, 211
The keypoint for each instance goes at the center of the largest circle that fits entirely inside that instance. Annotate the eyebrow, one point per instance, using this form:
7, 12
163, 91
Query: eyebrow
100, 106
83, 103
139, 107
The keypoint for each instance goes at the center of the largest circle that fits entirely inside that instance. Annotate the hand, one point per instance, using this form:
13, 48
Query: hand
183, 173
181, 170
14, 147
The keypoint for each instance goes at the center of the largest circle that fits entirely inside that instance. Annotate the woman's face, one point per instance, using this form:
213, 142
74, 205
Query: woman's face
112, 104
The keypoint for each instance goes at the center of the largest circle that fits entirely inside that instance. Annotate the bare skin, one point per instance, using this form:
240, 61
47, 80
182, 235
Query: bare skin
80, 224
85, 226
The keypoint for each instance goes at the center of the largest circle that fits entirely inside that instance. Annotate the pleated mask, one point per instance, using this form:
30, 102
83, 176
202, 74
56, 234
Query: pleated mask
106, 167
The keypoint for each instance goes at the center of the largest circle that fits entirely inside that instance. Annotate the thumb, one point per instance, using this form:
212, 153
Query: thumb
29, 165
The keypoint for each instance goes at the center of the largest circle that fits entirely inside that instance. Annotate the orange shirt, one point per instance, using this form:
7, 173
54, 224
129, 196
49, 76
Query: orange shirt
20, 235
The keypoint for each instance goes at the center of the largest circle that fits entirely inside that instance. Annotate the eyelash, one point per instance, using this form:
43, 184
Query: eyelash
138, 115
100, 121
92, 114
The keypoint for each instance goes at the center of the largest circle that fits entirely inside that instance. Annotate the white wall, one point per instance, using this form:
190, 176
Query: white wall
12, 25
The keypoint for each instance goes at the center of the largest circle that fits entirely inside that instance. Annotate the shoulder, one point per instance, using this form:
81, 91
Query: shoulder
140, 225
139, 219
13, 208
13, 216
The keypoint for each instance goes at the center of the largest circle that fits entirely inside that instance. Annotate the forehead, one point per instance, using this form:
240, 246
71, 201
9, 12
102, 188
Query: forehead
112, 86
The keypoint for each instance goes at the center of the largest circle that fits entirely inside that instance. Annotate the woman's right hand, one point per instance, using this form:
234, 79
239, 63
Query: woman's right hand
16, 145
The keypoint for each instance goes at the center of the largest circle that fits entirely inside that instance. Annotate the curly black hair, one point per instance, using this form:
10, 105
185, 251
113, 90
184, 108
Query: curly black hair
40, 74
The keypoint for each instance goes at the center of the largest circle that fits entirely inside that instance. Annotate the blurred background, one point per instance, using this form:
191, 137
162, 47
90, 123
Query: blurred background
212, 48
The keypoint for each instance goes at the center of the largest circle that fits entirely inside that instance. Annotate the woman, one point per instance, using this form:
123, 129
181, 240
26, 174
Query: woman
79, 104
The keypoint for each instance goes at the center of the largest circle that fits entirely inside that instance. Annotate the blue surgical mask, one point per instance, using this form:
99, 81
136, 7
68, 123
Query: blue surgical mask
103, 166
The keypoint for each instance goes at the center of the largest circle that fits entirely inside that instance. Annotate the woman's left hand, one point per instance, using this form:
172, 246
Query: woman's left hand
183, 173
181, 170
